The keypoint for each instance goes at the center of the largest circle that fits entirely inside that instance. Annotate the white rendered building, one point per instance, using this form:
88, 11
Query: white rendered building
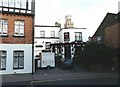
43, 37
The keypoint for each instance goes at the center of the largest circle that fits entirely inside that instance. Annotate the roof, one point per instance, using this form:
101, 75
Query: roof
44, 26
110, 19
71, 28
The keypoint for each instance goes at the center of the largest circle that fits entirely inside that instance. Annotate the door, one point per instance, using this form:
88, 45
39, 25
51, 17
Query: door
67, 51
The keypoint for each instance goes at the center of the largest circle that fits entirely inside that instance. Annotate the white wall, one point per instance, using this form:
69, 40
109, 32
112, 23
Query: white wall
42, 41
71, 34
27, 48
47, 31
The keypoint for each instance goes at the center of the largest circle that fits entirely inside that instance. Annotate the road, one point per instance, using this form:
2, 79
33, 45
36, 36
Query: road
60, 77
86, 81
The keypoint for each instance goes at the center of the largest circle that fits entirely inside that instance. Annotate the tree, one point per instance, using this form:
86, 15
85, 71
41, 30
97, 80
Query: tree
97, 56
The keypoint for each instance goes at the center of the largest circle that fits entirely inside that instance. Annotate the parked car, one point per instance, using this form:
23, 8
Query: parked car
67, 63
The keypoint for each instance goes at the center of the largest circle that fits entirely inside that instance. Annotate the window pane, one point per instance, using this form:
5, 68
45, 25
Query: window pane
11, 3
21, 23
16, 22
22, 30
78, 36
5, 22
48, 45
42, 33
15, 53
21, 62
3, 55
0, 2
23, 3
18, 59
3, 62
0, 26
5, 27
15, 62
21, 54
19, 28
5, 3
16, 29
52, 33
17, 3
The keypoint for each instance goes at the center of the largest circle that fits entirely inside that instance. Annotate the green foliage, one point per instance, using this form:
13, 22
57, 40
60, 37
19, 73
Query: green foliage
96, 55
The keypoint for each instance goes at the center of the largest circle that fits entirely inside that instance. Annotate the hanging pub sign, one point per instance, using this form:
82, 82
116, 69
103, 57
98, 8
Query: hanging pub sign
66, 36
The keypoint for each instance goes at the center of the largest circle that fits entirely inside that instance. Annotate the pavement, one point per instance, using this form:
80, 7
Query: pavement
55, 74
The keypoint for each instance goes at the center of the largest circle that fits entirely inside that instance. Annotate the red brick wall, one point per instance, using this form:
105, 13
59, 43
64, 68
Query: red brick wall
111, 36
28, 27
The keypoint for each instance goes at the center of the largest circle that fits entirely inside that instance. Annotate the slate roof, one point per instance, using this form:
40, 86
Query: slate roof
110, 19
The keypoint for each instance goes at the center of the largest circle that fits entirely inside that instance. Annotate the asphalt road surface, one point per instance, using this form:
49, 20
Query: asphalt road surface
89, 81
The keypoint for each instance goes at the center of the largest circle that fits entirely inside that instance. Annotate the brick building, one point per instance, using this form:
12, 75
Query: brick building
16, 36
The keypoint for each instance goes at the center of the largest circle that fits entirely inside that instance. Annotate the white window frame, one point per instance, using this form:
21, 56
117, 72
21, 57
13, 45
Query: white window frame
52, 34
3, 57
42, 33
19, 28
78, 36
3, 27
18, 59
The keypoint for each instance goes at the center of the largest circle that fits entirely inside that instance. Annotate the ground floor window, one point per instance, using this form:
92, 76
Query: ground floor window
47, 45
3, 55
18, 59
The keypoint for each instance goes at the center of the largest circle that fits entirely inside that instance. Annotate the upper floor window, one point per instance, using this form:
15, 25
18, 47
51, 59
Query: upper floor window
18, 59
52, 33
19, 28
3, 55
66, 36
78, 36
42, 33
3, 27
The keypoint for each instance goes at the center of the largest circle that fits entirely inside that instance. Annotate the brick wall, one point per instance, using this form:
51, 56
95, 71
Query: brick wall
28, 27
111, 36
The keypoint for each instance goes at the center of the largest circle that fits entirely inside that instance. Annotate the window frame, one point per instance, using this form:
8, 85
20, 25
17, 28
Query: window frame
17, 32
42, 33
47, 45
18, 66
52, 34
79, 37
1, 57
4, 27
66, 36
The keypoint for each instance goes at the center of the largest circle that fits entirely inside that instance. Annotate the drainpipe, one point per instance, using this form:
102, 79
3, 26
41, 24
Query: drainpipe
33, 19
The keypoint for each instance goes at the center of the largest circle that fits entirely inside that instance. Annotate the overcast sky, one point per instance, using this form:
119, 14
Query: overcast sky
85, 13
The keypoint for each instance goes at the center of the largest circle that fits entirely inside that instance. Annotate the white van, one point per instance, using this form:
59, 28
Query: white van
47, 60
